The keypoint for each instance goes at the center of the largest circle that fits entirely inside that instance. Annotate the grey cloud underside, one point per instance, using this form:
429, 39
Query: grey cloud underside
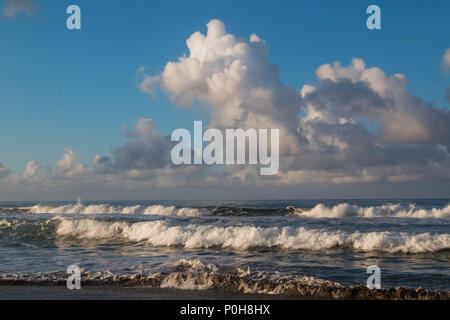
147, 149
354, 134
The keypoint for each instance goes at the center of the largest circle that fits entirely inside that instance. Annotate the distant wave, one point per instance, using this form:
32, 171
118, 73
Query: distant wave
319, 211
106, 208
195, 275
161, 233
387, 210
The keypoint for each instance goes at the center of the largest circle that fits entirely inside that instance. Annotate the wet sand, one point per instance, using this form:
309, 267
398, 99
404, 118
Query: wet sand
37, 292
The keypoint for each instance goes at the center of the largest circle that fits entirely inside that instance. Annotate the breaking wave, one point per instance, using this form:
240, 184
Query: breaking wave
387, 210
319, 211
106, 208
161, 233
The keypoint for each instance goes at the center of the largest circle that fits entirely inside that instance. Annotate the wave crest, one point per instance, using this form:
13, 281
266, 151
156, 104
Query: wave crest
106, 208
341, 210
387, 210
160, 233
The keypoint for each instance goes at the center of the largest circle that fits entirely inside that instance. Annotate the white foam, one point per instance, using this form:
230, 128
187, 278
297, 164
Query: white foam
5, 223
319, 211
193, 265
189, 281
160, 233
106, 208
388, 210
256, 282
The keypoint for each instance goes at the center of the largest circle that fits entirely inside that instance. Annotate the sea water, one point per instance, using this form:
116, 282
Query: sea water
317, 240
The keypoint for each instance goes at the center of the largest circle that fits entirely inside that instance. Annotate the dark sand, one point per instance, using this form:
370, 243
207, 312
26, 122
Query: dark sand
36, 292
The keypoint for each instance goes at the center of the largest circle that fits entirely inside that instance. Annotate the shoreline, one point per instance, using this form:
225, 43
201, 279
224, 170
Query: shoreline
234, 289
111, 292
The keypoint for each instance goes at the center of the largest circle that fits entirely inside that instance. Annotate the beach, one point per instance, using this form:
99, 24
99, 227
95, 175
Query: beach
41, 292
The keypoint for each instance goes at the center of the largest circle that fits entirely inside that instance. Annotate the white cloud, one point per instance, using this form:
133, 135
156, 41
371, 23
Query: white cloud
361, 126
35, 176
13, 7
67, 165
356, 93
235, 78
67, 171
446, 61
31, 169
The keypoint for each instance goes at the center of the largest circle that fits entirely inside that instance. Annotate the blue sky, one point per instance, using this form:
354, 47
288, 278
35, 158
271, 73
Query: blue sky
78, 89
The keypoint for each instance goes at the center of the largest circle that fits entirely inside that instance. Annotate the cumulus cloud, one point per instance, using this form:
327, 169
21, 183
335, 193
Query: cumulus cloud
68, 167
446, 61
67, 170
31, 170
235, 78
358, 125
361, 126
13, 7
35, 176
355, 119
356, 91
3, 171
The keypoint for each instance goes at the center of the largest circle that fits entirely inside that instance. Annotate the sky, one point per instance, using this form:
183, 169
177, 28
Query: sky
87, 113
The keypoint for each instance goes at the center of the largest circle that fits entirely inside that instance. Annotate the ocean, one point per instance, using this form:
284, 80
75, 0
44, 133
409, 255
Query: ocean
248, 246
